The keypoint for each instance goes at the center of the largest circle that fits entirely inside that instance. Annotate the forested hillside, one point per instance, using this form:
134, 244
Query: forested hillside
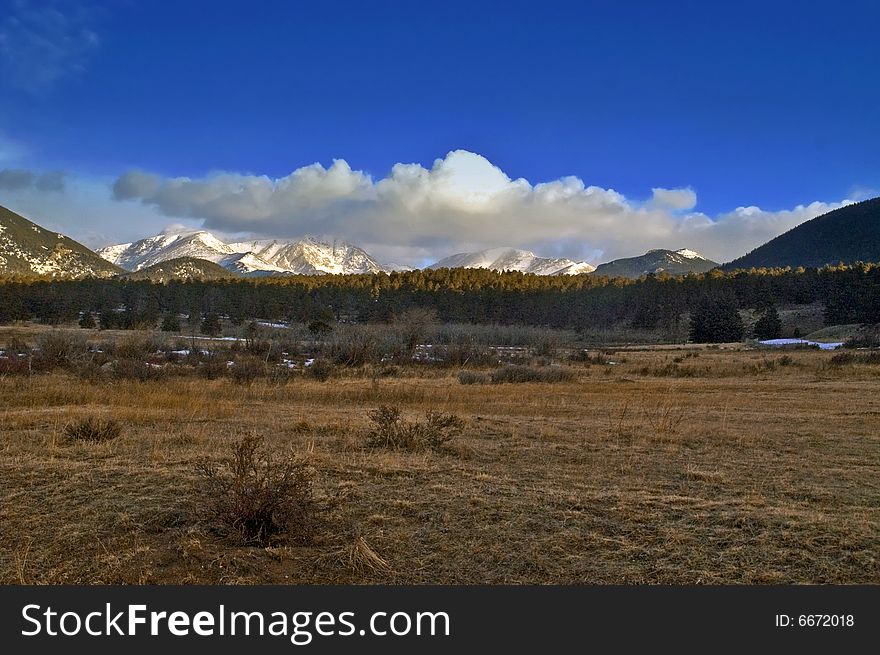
848, 235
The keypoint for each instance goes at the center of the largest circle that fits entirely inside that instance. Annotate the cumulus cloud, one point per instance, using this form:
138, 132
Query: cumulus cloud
17, 179
674, 199
461, 202
43, 42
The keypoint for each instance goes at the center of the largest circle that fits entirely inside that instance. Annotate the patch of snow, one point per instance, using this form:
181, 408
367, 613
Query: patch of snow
802, 342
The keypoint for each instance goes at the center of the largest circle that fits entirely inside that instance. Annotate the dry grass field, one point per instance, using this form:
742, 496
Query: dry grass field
674, 465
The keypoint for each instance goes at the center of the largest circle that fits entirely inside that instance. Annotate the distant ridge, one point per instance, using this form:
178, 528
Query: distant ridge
848, 234
182, 268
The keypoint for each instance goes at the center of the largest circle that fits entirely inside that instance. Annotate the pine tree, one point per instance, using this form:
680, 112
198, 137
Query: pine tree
171, 323
769, 325
87, 321
210, 325
716, 320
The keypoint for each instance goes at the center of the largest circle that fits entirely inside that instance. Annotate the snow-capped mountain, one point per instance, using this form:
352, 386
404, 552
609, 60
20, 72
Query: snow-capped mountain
27, 248
305, 256
311, 255
674, 262
513, 259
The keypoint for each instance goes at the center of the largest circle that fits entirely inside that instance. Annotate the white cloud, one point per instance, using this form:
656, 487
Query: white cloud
674, 199
462, 202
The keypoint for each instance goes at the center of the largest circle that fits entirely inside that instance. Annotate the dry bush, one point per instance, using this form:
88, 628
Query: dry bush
260, 497
465, 351
134, 346
847, 359
58, 348
585, 357
136, 369
321, 370
473, 377
521, 373
91, 429
354, 348
667, 370
246, 370
213, 367
14, 365
390, 431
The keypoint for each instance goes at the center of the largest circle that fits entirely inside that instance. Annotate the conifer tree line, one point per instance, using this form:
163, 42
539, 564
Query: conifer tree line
850, 294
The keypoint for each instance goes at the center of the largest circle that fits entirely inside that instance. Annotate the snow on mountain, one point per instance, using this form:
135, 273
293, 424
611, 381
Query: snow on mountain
513, 259
162, 247
305, 256
27, 248
311, 255
689, 254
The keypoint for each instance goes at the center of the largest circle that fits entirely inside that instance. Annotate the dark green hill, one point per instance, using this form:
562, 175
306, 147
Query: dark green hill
29, 249
182, 268
849, 234
674, 262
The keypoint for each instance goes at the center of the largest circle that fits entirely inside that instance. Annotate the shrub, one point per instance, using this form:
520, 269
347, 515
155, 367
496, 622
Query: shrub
59, 348
844, 359
170, 323
134, 346
472, 377
213, 367
259, 497
321, 370
392, 432
93, 430
355, 348
137, 369
245, 370
438, 430
863, 341
87, 321
521, 373
584, 356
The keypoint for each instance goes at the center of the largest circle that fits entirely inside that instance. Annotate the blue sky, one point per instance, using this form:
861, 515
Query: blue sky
771, 105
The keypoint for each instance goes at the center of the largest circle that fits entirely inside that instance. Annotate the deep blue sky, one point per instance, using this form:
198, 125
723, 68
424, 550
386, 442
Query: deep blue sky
768, 103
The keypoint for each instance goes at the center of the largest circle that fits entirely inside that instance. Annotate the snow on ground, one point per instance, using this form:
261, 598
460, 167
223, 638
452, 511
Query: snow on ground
219, 338
801, 342
272, 325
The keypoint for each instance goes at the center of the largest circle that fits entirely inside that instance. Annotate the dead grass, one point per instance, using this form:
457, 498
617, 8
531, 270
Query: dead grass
740, 473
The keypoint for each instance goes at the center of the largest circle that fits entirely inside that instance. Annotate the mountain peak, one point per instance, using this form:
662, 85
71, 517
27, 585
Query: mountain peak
658, 260
513, 259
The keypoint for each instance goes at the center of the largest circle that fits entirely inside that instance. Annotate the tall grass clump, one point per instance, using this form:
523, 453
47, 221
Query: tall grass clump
91, 430
517, 373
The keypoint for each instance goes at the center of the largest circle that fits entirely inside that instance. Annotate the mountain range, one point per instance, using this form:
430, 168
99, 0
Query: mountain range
305, 256
848, 234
